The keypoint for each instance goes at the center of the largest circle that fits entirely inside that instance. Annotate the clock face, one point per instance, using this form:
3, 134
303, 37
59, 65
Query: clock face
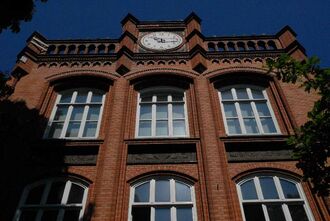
161, 41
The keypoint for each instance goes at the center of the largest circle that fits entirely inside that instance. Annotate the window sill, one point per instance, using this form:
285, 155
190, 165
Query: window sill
73, 142
254, 138
161, 140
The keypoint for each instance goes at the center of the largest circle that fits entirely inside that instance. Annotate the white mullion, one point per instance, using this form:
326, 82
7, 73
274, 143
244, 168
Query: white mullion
238, 111
64, 200
100, 117
193, 200
172, 191
170, 120
52, 116
84, 200
278, 187
152, 191
152, 213
137, 117
223, 113
255, 111
131, 202
68, 116
272, 114
286, 212
85, 113
173, 213
186, 121
264, 209
153, 115
258, 188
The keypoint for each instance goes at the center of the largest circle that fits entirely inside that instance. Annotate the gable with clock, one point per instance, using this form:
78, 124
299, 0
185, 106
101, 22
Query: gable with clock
161, 41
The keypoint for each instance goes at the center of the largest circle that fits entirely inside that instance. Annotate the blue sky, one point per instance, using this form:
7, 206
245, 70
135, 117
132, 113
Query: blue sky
70, 19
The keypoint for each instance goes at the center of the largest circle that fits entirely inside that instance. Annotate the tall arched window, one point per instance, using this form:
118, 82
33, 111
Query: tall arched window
162, 198
76, 114
246, 110
272, 197
162, 113
56, 199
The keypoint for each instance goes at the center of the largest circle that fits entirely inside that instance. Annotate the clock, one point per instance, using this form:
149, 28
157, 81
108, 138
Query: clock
161, 41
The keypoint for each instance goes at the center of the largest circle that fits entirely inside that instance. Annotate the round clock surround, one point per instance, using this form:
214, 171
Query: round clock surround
161, 41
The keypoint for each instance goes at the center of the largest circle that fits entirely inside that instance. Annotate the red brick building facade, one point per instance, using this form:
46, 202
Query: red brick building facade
162, 123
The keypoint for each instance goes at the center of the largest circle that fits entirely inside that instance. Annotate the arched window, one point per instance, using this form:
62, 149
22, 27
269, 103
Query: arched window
241, 46
71, 49
81, 49
61, 49
231, 46
271, 45
101, 49
246, 110
91, 49
162, 198
53, 199
211, 46
111, 48
272, 197
251, 46
261, 45
76, 114
221, 46
51, 49
162, 113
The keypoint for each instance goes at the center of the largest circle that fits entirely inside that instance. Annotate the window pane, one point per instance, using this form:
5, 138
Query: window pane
162, 192
177, 97
97, 96
145, 111
146, 98
93, 113
257, 94
71, 215
76, 194
251, 126
262, 109
56, 193
246, 109
35, 194
268, 188
66, 97
275, 213
162, 128
61, 113
178, 111
241, 93
226, 95
142, 193
73, 129
179, 127
268, 125
90, 129
230, 110
289, 189
161, 111
145, 128
162, 97
184, 214
77, 113
55, 130
253, 212
141, 213
81, 96
233, 126
49, 215
298, 213
162, 214
182, 192
249, 191
28, 215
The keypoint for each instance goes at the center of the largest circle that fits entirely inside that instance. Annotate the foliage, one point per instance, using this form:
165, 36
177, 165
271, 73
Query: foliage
312, 140
12, 12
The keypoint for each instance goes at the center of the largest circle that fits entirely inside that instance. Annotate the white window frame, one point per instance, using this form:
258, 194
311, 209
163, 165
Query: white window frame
170, 119
70, 105
173, 203
281, 201
251, 100
42, 206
